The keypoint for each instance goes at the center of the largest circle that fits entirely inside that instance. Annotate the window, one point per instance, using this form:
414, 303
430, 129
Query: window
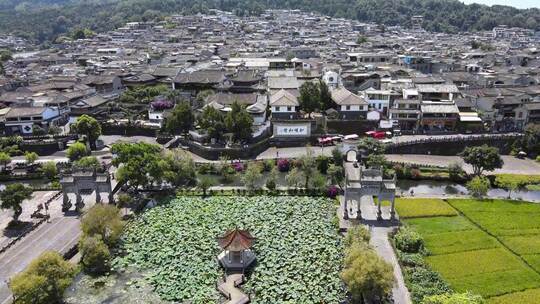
520, 115
289, 109
347, 108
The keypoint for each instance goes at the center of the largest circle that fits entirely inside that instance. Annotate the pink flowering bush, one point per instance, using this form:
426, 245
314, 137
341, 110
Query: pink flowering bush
283, 165
332, 191
238, 167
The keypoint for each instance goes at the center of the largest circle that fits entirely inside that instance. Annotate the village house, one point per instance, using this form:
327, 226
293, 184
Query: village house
349, 105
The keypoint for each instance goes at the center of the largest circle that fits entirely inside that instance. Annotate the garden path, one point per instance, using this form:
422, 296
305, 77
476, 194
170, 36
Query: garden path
229, 289
379, 231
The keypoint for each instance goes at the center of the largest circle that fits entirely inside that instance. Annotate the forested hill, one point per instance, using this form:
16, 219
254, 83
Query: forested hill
44, 20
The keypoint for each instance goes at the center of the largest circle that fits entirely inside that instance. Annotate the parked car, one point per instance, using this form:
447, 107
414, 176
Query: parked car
351, 137
376, 134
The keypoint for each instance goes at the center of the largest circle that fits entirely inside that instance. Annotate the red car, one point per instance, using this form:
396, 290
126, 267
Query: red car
376, 134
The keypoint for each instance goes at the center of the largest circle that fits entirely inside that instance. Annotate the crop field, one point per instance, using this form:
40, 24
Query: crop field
470, 259
516, 225
411, 208
530, 296
298, 250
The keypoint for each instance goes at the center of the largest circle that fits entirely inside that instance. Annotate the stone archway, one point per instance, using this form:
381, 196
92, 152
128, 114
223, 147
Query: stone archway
83, 181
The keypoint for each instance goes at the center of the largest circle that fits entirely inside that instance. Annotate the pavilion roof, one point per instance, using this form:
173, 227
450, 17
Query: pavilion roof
236, 240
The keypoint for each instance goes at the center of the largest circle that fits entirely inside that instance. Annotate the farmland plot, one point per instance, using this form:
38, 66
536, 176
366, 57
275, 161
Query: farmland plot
471, 259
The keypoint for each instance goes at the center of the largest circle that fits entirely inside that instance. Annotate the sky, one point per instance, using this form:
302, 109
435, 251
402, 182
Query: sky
516, 3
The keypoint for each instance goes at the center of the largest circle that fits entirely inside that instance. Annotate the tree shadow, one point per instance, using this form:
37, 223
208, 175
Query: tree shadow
15, 229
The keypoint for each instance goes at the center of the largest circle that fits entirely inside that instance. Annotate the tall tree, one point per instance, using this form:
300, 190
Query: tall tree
478, 186
138, 163
239, 122
77, 151
482, 158
310, 97
44, 280
367, 275
30, 158
181, 119
103, 221
12, 198
325, 96
89, 127
212, 121
5, 159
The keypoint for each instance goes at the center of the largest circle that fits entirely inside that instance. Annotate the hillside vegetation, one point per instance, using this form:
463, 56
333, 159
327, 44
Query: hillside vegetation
47, 19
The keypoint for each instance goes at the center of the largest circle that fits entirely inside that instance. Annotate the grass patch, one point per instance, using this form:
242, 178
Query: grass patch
497, 283
413, 208
533, 260
453, 242
527, 244
525, 297
436, 225
468, 263
521, 179
535, 187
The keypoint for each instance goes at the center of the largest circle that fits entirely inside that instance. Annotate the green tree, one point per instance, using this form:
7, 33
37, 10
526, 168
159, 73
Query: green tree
366, 275
357, 235
43, 281
271, 181
138, 163
95, 255
5, 159
530, 141
455, 171
179, 168
181, 119
478, 186
50, 170
213, 122
239, 122
376, 161
87, 163
204, 183
308, 166
103, 221
77, 151
337, 157
507, 182
482, 158
12, 198
371, 146
310, 99
325, 96
361, 39
5, 55
336, 174
251, 176
30, 158
55, 130
87, 126
294, 178
454, 298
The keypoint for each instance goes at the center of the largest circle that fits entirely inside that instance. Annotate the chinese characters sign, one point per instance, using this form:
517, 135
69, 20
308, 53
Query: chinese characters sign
292, 130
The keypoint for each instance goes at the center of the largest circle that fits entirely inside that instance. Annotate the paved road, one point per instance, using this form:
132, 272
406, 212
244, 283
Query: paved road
512, 165
59, 235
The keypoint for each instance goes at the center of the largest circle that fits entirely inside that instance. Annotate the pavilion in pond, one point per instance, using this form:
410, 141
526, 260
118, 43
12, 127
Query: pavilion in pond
237, 254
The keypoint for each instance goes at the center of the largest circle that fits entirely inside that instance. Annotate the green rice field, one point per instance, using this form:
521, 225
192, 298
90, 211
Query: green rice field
489, 247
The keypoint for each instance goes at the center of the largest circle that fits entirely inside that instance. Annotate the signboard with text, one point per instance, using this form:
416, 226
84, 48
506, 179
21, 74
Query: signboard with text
292, 130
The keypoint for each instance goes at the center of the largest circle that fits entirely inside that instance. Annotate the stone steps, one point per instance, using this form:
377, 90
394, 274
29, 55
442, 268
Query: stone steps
229, 288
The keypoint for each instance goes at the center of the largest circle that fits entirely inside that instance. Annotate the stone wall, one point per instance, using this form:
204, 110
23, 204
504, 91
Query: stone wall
452, 147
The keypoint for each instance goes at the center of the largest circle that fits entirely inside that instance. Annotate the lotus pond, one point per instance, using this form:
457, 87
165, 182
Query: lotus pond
299, 252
